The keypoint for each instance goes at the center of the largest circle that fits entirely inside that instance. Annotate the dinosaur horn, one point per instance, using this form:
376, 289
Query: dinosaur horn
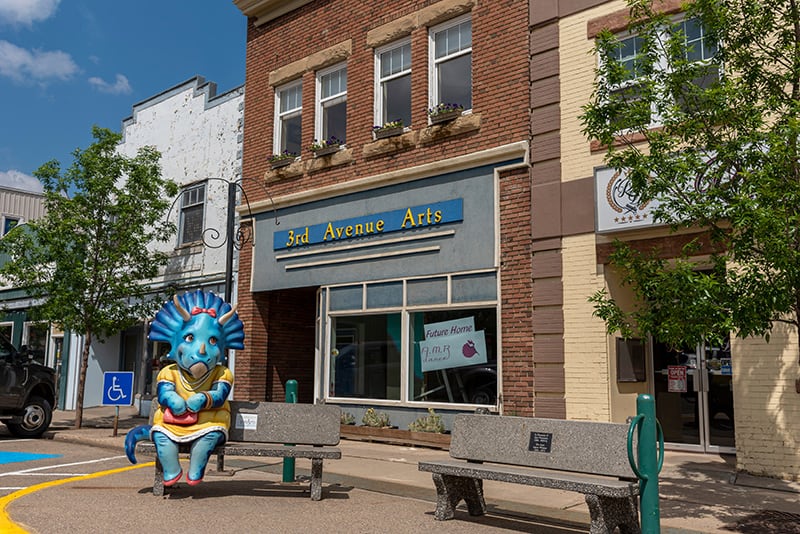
225, 318
181, 309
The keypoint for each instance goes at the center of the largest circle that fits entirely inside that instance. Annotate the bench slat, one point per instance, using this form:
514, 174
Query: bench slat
259, 449
577, 446
586, 484
280, 422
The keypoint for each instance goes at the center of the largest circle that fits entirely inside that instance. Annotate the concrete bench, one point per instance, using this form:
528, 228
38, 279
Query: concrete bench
581, 456
264, 429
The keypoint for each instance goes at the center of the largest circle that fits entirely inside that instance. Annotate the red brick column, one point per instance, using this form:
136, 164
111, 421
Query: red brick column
516, 292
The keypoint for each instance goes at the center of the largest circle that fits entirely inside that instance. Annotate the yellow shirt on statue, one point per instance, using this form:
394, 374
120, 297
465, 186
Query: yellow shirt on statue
209, 419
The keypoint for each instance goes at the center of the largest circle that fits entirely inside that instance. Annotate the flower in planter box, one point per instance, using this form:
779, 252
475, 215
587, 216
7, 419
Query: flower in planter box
444, 109
325, 143
391, 125
282, 156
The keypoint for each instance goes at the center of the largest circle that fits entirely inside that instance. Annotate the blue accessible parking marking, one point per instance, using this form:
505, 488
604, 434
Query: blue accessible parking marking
14, 457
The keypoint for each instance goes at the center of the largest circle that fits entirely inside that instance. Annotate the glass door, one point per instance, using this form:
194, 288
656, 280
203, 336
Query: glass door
693, 390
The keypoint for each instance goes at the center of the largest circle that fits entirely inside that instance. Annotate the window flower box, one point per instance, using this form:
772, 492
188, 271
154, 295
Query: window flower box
325, 147
283, 159
442, 113
390, 129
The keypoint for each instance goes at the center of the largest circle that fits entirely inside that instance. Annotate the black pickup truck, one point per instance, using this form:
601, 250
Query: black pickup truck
27, 392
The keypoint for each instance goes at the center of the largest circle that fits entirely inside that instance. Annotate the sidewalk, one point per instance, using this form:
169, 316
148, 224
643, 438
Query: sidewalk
699, 492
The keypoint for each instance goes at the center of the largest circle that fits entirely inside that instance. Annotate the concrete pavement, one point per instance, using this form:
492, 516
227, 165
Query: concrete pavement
699, 492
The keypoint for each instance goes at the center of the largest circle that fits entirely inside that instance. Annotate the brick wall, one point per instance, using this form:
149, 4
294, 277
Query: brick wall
500, 90
516, 289
319, 34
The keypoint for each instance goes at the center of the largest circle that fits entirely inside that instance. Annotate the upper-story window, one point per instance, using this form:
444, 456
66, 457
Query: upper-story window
288, 120
451, 63
9, 223
696, 45
393, 67
193, 200
331, 115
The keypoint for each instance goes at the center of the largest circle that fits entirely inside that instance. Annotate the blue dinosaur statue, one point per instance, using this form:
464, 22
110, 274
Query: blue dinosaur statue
192, 391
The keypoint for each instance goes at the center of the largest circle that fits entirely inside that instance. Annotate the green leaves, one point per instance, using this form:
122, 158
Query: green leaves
89, 258
720, 154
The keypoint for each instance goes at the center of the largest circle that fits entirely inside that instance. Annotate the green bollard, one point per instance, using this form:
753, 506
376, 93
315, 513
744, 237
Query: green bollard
651, 459
288, 463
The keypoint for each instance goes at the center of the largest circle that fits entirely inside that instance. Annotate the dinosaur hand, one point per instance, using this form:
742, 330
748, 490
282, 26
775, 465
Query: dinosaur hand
196, 402
175, 403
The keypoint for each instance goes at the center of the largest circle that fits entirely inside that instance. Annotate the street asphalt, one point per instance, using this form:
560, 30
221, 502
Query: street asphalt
377, 487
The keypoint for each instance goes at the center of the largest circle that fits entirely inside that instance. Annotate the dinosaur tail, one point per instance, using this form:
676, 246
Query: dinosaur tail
134, 436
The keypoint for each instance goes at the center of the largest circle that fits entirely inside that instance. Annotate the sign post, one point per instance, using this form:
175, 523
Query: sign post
117, 391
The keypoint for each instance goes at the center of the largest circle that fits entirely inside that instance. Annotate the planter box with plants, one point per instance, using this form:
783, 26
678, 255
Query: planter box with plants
325, 147
427, 431
389, 129
444, 112
282, 160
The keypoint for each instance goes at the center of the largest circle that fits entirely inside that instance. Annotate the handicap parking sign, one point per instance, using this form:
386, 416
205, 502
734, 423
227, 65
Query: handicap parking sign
118, 388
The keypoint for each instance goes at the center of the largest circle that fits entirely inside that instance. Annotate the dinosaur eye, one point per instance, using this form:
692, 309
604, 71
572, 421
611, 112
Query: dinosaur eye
188, 338
212, 340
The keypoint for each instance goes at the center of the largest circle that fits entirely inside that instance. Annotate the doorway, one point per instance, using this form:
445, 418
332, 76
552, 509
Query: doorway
693, 390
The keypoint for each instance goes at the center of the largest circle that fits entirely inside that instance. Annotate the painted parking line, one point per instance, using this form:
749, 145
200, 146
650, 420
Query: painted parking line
7, 526
9, 457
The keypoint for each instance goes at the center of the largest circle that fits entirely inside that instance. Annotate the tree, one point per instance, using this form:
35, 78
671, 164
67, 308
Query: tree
86, 262
714, 141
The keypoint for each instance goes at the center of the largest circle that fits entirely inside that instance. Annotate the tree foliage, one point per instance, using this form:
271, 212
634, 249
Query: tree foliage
715, 142
86, 263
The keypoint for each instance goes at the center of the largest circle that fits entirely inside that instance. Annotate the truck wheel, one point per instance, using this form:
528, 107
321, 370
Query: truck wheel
36, 417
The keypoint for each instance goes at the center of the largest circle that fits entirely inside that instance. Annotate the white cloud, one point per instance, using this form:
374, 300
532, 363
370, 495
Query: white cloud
26, 11
23, 65
17, 180
120, 87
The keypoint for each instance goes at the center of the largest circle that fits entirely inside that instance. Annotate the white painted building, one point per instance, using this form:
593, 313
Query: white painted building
199, 135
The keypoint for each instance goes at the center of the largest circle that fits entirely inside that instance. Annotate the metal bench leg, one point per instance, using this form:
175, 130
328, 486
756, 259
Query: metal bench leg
608, 513
220, 462
158, 482
316, 479
450, 490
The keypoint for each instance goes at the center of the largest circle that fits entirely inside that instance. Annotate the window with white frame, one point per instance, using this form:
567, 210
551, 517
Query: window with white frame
698, 48
451, 63
193, 200
34, 338
331, 115
422, 340
288, 120
9, 223
393, 75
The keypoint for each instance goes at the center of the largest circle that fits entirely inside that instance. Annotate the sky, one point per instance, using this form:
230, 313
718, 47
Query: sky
67, 65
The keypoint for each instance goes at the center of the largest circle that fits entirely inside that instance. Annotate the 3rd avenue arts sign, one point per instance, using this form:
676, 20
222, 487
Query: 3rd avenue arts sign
434, 214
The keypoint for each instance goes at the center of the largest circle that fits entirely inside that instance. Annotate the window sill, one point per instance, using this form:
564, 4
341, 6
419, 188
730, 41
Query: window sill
388, 145
621, 140
341, 156
460, 125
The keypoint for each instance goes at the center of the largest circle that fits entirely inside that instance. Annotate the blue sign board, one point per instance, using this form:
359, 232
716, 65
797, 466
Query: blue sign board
118, 388
433, 214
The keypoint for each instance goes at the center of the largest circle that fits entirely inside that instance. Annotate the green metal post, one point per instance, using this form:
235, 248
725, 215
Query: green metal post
649, 463
288, 463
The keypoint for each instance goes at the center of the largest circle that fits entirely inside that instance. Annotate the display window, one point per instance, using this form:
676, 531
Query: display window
416, 341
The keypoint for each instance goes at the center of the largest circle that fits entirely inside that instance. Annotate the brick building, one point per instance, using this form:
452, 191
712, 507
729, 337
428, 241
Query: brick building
449, 265
392, 272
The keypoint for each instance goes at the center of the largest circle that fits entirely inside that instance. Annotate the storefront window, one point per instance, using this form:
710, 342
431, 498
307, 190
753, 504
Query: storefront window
365, 357
417, 341
35, 340
455, 356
